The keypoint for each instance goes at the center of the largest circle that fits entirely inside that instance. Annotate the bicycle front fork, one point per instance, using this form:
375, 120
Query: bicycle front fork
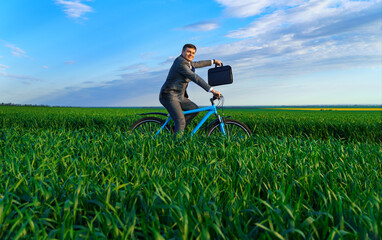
221, 124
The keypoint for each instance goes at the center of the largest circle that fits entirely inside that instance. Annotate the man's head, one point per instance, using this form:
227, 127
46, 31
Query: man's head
188, 51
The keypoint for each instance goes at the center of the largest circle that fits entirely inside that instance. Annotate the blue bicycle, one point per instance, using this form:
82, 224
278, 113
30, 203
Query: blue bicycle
220, 126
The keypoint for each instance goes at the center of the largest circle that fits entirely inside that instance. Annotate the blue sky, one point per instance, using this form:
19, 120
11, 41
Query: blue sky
118, 53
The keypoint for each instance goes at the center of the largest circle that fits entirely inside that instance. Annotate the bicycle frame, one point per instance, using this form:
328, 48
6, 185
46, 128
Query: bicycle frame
210, 110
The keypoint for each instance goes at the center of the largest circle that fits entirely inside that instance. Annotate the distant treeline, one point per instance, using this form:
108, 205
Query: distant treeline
312, 106
236, 107
24, 105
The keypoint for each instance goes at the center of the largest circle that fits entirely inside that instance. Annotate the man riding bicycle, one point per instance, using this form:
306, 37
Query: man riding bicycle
173, 95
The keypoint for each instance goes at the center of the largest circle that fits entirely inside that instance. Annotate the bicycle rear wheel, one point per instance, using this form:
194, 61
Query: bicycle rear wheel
148, 126
233, 129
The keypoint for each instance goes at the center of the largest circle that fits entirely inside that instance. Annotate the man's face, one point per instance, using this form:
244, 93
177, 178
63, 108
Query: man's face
189, 54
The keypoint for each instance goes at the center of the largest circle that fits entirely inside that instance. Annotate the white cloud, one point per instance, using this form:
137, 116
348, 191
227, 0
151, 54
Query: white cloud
135, 68
283, 57
2, 66
46, 67
127, 90
69, 62
16, 51
168, 61
247, 8
306, 18
74, 8
201, 26
23, 78
311, 37
148, 55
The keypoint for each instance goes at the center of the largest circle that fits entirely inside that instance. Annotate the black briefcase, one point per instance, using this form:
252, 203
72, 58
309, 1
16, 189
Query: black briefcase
220, 75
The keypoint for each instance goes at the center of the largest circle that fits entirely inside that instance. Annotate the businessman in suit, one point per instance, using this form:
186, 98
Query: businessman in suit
173, 95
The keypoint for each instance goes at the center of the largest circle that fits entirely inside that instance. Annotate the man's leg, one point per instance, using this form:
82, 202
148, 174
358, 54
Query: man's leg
187, 104
174, 108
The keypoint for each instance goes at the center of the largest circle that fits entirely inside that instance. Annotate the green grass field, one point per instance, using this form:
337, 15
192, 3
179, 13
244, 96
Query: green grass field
78, 173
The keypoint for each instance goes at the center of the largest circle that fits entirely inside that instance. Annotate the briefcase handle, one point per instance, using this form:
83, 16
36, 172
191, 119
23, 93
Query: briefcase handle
217, 65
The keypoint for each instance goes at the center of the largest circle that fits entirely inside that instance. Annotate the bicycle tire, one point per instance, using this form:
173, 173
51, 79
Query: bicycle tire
233, 129
149, 126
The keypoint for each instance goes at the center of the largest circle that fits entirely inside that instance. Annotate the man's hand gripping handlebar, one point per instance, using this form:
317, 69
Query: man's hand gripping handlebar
216, 93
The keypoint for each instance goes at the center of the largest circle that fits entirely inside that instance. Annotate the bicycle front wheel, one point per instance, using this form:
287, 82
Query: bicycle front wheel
148, 126
233, 129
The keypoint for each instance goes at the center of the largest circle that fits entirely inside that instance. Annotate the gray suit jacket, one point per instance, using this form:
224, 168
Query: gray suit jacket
180, 74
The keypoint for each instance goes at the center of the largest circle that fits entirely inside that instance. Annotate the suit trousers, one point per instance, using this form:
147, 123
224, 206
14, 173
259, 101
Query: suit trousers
175, 108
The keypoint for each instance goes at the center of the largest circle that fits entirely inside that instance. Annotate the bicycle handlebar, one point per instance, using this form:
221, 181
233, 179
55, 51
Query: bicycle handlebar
215, 98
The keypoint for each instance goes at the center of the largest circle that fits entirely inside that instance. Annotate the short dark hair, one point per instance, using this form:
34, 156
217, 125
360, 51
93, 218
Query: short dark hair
188, 45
